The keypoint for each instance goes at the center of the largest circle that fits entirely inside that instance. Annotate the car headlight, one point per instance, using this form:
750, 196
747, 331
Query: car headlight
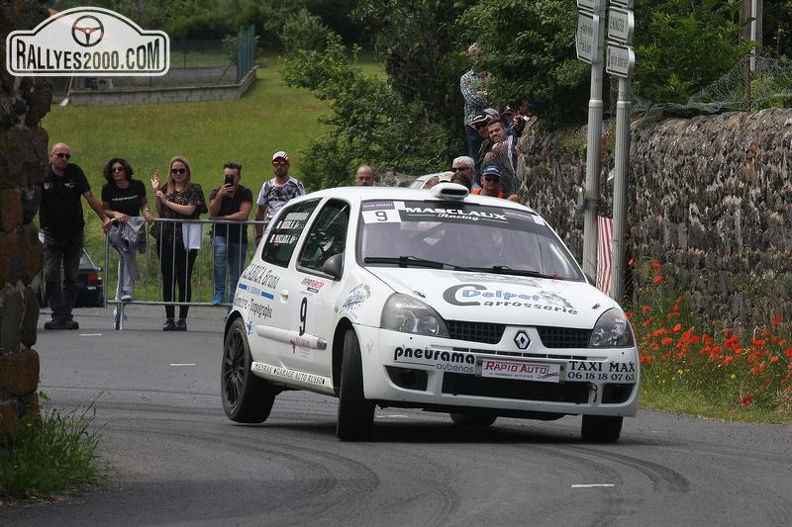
612, 330
409, 315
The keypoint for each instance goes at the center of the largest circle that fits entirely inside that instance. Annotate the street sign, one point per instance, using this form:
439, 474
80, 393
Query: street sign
586, 4
619, 60
626, 4
586, 38
621, 24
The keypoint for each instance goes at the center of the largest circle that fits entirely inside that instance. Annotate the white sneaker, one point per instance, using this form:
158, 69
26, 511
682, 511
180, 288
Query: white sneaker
126, 296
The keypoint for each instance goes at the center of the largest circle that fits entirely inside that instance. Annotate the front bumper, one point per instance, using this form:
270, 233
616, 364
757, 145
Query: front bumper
443, 375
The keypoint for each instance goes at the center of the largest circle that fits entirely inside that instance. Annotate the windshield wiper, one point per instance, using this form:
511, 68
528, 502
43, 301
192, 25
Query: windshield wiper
407, 260
505, 269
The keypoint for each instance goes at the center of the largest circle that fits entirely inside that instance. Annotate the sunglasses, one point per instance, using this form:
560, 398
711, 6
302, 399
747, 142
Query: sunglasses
117, 169
490, 178
62, 155
178, 170
280, 163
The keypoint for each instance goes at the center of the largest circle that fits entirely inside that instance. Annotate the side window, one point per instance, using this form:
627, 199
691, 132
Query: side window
327, 237
283, 235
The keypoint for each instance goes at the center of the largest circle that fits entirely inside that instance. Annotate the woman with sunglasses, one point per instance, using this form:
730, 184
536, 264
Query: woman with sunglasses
124, 198
179, 198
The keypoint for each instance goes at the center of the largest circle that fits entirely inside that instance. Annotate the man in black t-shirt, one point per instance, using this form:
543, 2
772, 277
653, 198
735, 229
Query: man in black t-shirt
61, 220
231, 202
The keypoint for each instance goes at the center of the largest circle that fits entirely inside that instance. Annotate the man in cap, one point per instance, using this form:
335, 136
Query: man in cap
276, 192
491, 183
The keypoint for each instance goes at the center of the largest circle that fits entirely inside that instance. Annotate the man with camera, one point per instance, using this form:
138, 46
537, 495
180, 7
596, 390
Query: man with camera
228, 204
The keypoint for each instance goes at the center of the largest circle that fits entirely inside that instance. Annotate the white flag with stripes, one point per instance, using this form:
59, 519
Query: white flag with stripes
604, 254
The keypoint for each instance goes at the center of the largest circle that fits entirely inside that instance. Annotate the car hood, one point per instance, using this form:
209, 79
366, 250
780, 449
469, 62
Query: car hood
503, 299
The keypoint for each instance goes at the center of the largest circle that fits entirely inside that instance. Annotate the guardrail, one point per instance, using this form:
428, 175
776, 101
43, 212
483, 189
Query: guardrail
148, 288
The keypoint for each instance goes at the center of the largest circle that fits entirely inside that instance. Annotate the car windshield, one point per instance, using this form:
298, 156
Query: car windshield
457, 235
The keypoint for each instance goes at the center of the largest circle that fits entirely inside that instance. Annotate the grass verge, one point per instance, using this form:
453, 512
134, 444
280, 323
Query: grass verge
52, 454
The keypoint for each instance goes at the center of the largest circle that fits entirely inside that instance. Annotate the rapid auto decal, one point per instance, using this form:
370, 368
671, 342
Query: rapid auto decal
479, 295
441, 359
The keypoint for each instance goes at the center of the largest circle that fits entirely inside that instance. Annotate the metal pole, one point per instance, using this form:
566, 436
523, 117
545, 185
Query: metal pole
622, 169
593, 145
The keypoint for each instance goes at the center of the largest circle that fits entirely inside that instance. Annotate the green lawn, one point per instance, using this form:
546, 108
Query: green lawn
268, 118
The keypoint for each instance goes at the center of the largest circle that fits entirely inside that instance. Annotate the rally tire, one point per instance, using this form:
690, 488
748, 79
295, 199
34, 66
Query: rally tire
247, 398
355, 413
601, 428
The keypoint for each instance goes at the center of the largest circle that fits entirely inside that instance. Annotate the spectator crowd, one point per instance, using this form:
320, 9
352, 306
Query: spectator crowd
488, 168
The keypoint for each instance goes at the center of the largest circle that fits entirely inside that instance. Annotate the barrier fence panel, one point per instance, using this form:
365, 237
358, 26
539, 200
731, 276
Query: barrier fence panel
159, 262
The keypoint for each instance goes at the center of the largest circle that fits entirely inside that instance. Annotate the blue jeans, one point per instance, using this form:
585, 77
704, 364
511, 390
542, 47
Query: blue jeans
62, 253
227, 255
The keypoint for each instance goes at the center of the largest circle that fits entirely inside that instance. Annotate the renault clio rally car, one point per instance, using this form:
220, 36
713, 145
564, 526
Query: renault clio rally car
432, 299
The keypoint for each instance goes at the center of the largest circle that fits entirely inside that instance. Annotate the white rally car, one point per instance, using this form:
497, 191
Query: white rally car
431, 299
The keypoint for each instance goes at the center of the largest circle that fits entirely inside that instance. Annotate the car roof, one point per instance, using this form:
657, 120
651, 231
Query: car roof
359, 194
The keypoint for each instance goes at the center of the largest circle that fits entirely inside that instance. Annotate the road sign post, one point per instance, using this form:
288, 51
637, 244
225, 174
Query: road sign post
589, 43
620, 60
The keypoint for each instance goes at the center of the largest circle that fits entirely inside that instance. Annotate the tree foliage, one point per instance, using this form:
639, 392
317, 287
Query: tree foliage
679, 52
370, 122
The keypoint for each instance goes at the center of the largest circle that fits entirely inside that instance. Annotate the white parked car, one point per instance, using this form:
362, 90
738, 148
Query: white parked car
428, 180
434, 299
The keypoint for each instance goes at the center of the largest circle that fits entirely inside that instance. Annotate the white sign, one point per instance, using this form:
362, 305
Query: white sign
626, 4
520, 370
586, 4
587, 38
620, 60
621, 24
87, 42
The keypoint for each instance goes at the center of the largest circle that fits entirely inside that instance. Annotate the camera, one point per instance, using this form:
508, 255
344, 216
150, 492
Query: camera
229, 180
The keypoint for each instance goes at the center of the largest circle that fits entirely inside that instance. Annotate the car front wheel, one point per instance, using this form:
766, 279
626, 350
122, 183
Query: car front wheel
247, 398
355, 413
601, 428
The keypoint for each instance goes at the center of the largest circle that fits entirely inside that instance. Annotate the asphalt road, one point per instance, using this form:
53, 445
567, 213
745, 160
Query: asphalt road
177, 461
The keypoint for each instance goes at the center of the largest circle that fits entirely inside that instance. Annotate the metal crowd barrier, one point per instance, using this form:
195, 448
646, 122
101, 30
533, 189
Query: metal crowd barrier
149, 284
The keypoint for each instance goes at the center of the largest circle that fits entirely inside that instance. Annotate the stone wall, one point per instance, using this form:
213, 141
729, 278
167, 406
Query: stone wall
708, 200
23, 164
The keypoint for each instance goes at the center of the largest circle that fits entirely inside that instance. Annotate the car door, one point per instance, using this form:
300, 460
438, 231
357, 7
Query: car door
313, 293
263, 283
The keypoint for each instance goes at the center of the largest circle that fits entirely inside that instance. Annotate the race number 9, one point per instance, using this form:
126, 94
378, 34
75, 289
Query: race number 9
303, 314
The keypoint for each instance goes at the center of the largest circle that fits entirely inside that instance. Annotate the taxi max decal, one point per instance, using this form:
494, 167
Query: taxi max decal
479, 295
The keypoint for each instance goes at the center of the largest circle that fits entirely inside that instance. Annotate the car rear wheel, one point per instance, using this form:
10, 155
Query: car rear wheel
477, 419
247, 398
601, 428
355, 413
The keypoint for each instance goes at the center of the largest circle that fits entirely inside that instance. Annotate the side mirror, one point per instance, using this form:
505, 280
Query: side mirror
334, 266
